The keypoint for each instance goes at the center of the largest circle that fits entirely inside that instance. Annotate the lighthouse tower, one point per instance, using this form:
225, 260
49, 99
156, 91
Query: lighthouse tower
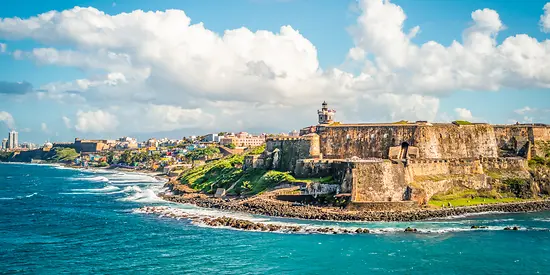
326, 116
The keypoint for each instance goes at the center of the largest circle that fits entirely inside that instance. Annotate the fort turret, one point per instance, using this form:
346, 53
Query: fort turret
326, 115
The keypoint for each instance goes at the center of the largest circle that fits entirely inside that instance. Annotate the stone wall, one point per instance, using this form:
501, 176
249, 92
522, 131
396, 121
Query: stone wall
382, 206
435, 141
363, 141
449, 141
512, 163
429, 167
378, 182
285, 152
313, 168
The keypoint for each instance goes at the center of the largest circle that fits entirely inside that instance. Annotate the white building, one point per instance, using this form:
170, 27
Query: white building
4, 144
212, 138
13, 140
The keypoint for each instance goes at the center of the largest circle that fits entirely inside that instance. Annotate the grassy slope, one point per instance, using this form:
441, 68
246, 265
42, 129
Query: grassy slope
226, 172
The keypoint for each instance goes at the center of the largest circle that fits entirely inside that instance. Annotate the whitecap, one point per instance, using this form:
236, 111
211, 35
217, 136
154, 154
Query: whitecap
98, 179
107, 188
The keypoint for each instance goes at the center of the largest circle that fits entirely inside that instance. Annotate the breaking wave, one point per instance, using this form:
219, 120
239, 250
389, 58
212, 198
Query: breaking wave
108, 188
200, 216
96, 179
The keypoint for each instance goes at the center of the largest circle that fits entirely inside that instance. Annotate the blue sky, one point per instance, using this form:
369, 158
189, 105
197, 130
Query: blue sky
325, 24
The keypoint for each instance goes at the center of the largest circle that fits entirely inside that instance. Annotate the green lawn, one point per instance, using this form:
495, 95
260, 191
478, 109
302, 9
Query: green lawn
471, 202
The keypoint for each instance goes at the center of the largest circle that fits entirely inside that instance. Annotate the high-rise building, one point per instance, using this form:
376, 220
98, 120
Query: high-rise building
13, 140
4, 143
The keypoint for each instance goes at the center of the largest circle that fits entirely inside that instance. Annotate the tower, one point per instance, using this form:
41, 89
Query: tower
13, 141
326, 116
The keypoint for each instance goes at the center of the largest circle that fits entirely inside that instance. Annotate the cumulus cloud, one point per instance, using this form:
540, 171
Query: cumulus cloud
67, 122
159, 67
478, 63
464, 114
95, 122
17, 88
524, 110
545, 19
7, 119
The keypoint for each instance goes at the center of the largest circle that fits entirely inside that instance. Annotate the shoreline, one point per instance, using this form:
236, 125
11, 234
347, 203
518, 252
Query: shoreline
263, 205
269, 207
156, 175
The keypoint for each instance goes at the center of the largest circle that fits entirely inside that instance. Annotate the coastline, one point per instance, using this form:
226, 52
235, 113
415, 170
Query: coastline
263, 205
158, 176
270, 207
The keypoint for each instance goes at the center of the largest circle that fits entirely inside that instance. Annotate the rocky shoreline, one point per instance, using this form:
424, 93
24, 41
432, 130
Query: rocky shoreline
270, 207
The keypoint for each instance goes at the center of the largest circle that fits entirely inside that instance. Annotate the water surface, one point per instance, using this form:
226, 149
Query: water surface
57, 220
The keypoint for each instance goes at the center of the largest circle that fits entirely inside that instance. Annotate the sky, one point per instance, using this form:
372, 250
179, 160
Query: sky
173, 68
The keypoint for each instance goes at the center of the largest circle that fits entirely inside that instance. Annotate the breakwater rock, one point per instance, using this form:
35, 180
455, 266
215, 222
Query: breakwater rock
271, 207
231, 222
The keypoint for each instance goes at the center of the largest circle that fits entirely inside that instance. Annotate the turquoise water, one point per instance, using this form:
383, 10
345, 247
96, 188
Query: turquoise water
55, 220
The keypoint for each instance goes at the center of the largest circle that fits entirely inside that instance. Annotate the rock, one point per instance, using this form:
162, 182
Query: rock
408, 229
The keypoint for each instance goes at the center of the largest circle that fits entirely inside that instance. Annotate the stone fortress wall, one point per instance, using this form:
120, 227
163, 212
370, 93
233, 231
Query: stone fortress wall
399, 162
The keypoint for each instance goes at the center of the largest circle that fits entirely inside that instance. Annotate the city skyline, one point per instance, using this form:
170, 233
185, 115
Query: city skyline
202, 70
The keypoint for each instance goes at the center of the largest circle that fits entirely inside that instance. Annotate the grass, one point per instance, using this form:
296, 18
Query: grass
462, 122
469, 197
227, 172
472, 202
327, 180
401, 122
493, 174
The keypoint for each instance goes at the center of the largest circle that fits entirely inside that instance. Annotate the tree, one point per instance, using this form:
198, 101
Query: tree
231, 146
127, 157
200, 153
110, 157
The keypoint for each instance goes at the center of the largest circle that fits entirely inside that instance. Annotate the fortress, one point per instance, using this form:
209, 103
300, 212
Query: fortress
405, 163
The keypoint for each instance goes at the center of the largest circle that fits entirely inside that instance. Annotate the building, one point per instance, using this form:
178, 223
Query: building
4, 144
91, 146
212, 138
13, 140
152, 142
326, 116
126, 143
294, 133
404, 163
243, 139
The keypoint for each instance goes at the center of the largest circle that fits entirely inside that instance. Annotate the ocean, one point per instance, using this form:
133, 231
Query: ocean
56, 220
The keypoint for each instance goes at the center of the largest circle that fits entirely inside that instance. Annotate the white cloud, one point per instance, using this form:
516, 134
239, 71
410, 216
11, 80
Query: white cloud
160, 68
531, 115
7, 119
67, 122
95, 122
356, 54
524, 110
3, 47
44, 127
545, 19
479, 63
464, 114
